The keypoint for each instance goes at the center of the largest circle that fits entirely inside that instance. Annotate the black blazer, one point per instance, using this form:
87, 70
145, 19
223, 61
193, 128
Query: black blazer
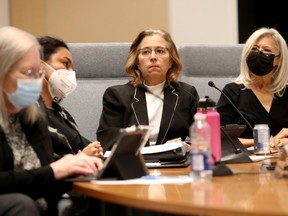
124, 106
36, 183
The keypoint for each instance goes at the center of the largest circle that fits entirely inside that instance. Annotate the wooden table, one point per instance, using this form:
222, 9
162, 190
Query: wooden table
254, 192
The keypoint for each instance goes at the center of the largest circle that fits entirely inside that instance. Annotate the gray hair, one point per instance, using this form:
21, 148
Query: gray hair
14, 44
280, 76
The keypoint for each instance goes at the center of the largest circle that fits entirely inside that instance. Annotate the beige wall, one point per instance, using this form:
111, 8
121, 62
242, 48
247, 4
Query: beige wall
4, 13
28, 15
203, 21
188, 21
89, 20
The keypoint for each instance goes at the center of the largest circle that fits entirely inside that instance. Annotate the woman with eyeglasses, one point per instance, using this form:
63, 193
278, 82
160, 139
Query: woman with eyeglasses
27, 162
60, 81
260, 90
154, 96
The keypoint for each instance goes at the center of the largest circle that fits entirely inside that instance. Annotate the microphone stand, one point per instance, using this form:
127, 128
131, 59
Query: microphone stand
239, 156
211, 84
221, 169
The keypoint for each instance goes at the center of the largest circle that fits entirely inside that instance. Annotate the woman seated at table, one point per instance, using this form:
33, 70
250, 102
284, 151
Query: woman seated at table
27, 164
154, 96
260, 91
59, 82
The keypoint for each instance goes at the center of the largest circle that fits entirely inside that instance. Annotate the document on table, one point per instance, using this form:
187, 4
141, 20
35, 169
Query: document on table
156, 148
256, 158
161, 148
147, 180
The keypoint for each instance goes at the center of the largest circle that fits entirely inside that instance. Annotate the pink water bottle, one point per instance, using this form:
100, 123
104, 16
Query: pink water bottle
208, 107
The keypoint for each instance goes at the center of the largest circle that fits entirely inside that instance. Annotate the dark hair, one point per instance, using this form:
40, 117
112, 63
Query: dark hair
50, 46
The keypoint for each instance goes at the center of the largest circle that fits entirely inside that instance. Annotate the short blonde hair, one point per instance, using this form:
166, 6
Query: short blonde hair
280, 75
132, 59
14, 44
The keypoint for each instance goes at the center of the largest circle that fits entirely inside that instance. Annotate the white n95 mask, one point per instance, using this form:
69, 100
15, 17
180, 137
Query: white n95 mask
61, 83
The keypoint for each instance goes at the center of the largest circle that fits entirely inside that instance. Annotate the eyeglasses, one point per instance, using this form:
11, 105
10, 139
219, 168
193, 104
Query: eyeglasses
265, 51
159, 51
33, 74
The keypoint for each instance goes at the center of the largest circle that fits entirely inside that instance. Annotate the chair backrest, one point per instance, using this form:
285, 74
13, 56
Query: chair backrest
202, 63
97, 66
100, 65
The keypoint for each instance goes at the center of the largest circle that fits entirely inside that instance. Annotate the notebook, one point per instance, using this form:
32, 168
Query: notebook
170, 154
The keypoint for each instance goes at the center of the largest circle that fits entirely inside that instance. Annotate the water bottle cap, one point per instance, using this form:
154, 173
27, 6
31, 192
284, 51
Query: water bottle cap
206, 103
199, 116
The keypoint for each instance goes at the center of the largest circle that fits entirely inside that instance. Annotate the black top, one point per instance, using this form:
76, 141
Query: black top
38, 182
251, 108
124, 106
64, 128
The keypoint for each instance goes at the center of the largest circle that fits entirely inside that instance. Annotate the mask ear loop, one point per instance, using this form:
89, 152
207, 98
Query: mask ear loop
50, 67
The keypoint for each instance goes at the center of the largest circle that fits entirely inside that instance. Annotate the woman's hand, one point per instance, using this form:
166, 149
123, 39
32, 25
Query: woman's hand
281, 138
80, 164
94, 149
188, 146
247, 142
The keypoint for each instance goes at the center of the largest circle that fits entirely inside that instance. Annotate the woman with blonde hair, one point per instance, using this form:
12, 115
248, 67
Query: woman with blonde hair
154, 96
260, 90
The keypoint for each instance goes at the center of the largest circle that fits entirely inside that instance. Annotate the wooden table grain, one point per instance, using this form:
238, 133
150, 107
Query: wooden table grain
251, 191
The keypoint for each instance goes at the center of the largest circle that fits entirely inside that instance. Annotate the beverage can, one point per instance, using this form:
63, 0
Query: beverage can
261, 134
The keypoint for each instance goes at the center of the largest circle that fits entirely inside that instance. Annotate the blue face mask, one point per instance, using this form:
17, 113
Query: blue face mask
27, 92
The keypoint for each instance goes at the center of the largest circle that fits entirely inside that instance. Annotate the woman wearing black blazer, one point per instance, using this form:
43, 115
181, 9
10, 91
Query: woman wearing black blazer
27, 163
154, 96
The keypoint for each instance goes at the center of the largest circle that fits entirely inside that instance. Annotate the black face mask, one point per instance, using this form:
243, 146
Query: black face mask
259, 63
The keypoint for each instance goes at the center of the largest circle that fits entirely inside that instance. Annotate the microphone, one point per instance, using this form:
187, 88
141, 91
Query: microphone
179, 160
240, 155
211, 84
177, 86
145, 89
219, 169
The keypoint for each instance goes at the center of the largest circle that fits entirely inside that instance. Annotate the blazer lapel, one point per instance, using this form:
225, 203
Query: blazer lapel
139, 107
170, 105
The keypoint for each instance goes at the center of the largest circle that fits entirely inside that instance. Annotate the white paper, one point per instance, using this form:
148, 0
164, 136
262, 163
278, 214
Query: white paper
156, 148
147, 180
161, 148
256, 158
250, 148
